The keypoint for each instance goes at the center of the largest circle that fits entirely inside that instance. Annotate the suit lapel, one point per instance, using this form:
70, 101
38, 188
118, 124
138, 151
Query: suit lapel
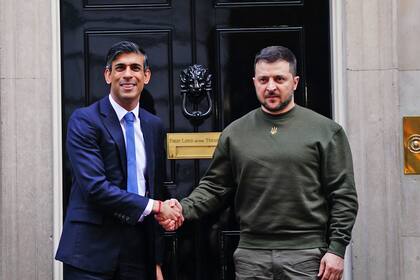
147, 130
113, 126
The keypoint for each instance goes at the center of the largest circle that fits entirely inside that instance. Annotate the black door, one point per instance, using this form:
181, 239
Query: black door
224, 36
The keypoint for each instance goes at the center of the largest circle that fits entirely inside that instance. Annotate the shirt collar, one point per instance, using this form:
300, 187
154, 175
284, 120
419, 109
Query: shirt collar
120, 111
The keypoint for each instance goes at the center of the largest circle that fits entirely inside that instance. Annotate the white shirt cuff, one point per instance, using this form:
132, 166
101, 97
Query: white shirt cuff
147, 211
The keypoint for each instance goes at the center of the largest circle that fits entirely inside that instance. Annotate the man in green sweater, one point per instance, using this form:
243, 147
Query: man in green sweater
290, 171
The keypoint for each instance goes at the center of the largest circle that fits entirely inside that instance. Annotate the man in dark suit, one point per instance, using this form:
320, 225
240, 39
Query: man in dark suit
117, 160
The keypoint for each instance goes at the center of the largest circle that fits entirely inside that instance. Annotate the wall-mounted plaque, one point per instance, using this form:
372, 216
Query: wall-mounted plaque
199, 145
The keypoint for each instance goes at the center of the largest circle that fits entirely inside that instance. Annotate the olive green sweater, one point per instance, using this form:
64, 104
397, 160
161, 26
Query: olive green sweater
292, 178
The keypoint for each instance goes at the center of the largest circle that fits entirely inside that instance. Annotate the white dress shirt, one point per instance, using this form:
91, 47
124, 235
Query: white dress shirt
140, 150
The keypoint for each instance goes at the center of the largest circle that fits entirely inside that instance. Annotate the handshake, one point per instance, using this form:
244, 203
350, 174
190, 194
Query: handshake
169, 214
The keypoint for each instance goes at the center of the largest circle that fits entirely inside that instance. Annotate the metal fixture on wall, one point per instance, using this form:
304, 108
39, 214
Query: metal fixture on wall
411, 126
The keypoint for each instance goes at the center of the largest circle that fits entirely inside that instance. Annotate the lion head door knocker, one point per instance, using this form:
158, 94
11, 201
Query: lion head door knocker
195, 88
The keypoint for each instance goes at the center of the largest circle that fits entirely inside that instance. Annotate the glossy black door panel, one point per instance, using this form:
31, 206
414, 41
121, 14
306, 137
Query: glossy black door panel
111, 4
246, 3
158, 44
224, 36
234, 64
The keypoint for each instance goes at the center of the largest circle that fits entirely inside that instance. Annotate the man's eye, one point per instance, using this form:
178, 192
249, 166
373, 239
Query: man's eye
119, 68
136, 68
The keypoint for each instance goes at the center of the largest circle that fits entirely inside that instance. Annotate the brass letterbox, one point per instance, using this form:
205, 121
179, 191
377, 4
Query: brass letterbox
198, 145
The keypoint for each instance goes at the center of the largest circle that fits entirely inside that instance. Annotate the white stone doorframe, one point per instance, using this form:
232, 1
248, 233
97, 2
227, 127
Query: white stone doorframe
57, 135
338, 100
338, 66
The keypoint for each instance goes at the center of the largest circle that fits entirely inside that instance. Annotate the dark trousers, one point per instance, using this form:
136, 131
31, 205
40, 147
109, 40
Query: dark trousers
131, 263
252, 264
125, 272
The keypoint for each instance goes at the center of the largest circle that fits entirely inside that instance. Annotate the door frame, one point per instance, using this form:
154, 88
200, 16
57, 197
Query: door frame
339, 89
339, 109
57, 137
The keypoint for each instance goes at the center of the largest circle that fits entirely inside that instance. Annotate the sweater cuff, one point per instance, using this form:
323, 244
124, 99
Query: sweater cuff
185, 210
337, 248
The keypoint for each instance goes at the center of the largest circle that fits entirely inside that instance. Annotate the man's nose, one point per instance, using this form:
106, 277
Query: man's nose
128, 73
271, 85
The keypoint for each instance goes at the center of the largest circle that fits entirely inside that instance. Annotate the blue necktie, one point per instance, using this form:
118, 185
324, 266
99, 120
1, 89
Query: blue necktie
131, 153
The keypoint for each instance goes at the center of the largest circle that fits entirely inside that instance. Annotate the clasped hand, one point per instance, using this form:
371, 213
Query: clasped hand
170, 215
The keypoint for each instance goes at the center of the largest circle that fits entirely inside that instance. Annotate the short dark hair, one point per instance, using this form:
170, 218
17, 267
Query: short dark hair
124, 47
275, 53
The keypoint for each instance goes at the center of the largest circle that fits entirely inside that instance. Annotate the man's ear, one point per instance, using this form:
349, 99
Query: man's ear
107, 75
147, 75
296, 81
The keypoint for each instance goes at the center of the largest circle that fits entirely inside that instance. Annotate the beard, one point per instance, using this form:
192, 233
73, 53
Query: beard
280, 106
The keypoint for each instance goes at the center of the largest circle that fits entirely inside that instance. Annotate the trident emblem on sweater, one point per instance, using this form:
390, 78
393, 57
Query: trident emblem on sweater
273, 130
